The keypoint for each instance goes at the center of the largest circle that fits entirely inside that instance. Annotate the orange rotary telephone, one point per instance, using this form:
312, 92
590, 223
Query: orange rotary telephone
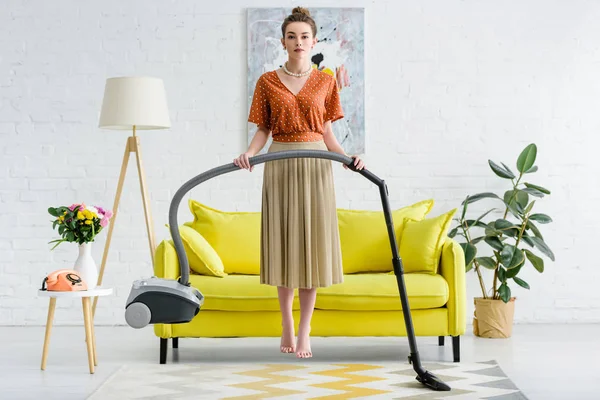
64, 280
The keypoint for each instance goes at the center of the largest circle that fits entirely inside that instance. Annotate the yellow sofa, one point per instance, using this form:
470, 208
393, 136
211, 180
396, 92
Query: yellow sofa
223, 249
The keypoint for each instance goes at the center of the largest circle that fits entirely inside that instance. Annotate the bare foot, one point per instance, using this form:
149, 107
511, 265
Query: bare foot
303, 349
287, 339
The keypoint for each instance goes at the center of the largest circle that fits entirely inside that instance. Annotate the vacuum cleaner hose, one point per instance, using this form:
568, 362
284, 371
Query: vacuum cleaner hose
280, 155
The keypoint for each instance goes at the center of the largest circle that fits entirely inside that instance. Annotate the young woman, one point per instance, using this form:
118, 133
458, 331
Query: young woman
300, 245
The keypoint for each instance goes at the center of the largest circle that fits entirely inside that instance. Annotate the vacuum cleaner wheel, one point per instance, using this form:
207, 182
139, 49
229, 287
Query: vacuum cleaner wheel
138, 315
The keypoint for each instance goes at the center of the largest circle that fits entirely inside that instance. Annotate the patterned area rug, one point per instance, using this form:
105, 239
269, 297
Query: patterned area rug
305, 381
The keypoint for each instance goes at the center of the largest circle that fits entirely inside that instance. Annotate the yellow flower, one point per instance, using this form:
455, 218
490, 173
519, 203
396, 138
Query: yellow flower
80, 215
89, 214
88, 222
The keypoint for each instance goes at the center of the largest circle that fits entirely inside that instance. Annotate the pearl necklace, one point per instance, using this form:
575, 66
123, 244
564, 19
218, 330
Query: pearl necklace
301, 74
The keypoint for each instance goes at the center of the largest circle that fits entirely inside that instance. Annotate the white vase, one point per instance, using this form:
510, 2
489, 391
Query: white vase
85, 266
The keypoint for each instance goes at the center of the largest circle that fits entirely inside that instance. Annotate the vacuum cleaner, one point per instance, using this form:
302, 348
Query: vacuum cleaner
166, 301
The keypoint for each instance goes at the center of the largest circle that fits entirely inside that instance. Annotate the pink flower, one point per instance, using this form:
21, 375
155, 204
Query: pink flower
81, 206
104, 222
105, 213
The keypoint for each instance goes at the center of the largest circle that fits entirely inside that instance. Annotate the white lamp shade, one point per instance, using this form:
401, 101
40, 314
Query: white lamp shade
139, 101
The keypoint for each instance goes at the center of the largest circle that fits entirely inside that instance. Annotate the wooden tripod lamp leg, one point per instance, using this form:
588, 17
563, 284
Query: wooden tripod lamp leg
145, 198
115, 210
133, 145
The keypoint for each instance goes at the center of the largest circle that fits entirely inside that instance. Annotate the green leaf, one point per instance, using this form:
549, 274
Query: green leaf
53, 211
472, 222
522, 199
527, 239
527, 158
510, 202
503, 224
534, 229
511, 257
491, 229
533, 192
479, 196
529, 207
464, 209
477, 239
541, 218
511, 273
494, 242
501, 172
536, 187
504, 292
543, 247
507, 227
453, 232
537, 262
486, 262
501, 274
482, 216
468, 267
521, 282
507, 169
57, 243
470, 252
532, 170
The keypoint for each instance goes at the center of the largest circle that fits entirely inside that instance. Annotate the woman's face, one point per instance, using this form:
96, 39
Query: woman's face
298, 40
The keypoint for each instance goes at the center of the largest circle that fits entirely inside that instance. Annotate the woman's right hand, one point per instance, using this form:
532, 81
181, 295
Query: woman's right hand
243, 162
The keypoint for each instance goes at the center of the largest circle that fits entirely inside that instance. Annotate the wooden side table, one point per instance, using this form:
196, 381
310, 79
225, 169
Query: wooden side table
88, 319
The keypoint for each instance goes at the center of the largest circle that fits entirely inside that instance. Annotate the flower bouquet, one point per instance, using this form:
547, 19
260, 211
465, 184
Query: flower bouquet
80, 224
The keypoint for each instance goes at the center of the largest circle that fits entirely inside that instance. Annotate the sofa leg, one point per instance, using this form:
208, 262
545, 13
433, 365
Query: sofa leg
175, 342
163, 350
441, 340
456, 348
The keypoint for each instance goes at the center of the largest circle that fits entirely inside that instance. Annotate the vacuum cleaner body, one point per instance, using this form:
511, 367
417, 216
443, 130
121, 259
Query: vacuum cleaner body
161, 301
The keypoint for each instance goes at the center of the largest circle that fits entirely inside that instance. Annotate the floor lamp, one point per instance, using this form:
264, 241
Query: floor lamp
132, 103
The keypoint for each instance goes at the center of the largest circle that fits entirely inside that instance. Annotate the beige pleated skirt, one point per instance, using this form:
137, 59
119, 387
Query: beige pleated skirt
300, 243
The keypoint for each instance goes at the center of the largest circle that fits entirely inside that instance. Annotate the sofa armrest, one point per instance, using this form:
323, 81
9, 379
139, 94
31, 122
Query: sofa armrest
452, 266
166, 263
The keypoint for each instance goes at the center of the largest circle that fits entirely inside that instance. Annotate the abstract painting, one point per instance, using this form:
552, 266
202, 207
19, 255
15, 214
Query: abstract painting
338, 52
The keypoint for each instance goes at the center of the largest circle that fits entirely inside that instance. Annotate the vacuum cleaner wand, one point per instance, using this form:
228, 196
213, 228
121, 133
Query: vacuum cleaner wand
426, 378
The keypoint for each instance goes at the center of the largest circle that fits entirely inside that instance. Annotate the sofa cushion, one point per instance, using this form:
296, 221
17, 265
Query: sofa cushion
202, 258
235, 236
364, 237
379, 292
359, 292
422, 241
238, 293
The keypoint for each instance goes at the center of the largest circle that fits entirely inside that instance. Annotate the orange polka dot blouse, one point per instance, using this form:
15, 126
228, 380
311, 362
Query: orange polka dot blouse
296, 118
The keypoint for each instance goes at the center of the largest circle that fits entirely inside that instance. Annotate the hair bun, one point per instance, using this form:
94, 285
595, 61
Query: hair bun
301, 10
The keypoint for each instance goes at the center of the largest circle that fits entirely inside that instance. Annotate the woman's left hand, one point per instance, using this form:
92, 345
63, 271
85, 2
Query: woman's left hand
357, 162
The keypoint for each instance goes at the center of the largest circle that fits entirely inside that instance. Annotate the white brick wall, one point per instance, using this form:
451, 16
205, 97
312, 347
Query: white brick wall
449, 85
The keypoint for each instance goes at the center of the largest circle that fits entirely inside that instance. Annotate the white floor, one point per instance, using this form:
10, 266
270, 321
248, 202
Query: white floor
544, 361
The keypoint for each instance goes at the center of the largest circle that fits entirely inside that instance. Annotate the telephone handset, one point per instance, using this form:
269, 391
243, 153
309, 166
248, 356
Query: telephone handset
65, 280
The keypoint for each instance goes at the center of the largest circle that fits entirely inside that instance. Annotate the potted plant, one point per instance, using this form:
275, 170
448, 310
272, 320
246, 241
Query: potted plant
80, 224
512, 240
